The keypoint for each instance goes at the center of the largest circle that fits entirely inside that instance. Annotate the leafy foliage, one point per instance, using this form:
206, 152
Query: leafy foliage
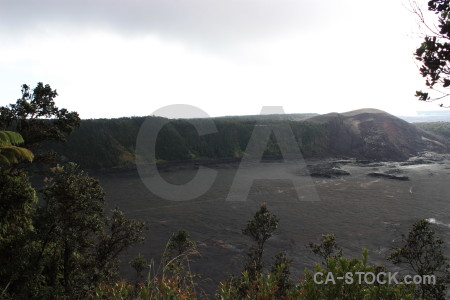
139, 264
281, 267
36, 117
340, 289
117, 235
154, 289
177, 257
274, 284
173, 281
264, 286
327, 248
106, 143
439, 128
9, 152
17, 206
434, 52
10, 138
260, 229
69, 244
67, 224
66, 244
252, 282
423, 252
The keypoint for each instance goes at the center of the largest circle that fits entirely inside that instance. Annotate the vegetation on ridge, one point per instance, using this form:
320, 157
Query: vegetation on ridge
106, 143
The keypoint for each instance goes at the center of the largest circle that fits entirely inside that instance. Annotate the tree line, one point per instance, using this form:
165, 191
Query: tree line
108, 143
439, 128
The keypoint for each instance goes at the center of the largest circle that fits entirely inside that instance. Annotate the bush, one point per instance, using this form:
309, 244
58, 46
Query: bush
340, 289
423, 252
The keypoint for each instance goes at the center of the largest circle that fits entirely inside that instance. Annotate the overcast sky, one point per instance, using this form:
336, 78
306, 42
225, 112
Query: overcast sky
113, 58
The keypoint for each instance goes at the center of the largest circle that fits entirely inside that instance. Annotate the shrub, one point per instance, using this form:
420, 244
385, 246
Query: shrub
340, 289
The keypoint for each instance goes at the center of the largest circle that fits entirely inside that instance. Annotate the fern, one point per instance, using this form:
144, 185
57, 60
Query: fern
9, 152
10, 138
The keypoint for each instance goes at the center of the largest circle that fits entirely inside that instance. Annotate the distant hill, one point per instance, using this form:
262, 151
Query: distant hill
273, 117
377, 135
441, 129
425, 119
442, 115
365, 134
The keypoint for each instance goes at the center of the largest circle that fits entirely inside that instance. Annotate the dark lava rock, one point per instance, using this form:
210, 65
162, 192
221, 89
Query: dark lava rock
393, 171
364, 163
416, 162
404, 178
343, 162
328, 170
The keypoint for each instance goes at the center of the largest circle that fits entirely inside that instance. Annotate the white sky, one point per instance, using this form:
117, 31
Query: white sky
113, 58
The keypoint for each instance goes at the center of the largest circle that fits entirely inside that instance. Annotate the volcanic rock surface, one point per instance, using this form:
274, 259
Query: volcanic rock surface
376, 135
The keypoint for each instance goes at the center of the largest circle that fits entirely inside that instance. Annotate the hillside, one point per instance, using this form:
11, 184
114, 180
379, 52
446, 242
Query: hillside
107, 143
376, 135
364, 134
439, 128
272, 117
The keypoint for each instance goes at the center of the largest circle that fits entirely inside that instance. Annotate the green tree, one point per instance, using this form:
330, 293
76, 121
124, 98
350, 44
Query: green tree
434, 52
118, 234
78, 244
17, 203
252, 281
37, 118
327, 248
281, 266
176, 257
347, 289
68, 221
170, 144
139, 263
66, 244
17, 200
423, 252
260, 229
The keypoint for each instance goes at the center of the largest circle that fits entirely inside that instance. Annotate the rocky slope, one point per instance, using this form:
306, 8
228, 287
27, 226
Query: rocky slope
376, 135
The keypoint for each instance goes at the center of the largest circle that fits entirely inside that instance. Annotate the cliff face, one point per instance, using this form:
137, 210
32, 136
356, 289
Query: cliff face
376, 135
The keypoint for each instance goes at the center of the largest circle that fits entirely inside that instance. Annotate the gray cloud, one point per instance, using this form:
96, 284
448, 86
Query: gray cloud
198, 21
